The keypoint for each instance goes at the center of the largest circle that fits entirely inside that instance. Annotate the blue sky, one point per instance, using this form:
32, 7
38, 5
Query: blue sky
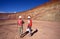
19, 5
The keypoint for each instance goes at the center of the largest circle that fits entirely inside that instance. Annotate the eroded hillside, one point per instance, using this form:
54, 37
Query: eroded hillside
49, 11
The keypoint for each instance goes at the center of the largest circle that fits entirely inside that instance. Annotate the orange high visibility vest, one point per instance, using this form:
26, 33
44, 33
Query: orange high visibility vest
30, 23
20, 22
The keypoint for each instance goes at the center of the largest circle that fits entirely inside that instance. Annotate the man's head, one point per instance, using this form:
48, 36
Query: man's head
29, 17
20, 17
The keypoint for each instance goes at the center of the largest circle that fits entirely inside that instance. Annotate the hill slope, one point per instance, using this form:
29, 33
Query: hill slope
49, 11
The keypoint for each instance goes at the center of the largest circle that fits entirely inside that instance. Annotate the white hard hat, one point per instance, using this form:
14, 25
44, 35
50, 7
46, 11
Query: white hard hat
19, 16
29, 17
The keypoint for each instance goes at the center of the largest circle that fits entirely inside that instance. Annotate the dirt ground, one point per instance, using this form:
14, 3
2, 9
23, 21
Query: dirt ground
46, 30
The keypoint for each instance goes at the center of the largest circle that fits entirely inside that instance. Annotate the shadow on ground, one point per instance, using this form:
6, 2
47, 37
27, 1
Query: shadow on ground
25, 33
34, 32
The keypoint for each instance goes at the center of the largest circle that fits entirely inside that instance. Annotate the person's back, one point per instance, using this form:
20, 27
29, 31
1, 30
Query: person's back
20, 22
30, 22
